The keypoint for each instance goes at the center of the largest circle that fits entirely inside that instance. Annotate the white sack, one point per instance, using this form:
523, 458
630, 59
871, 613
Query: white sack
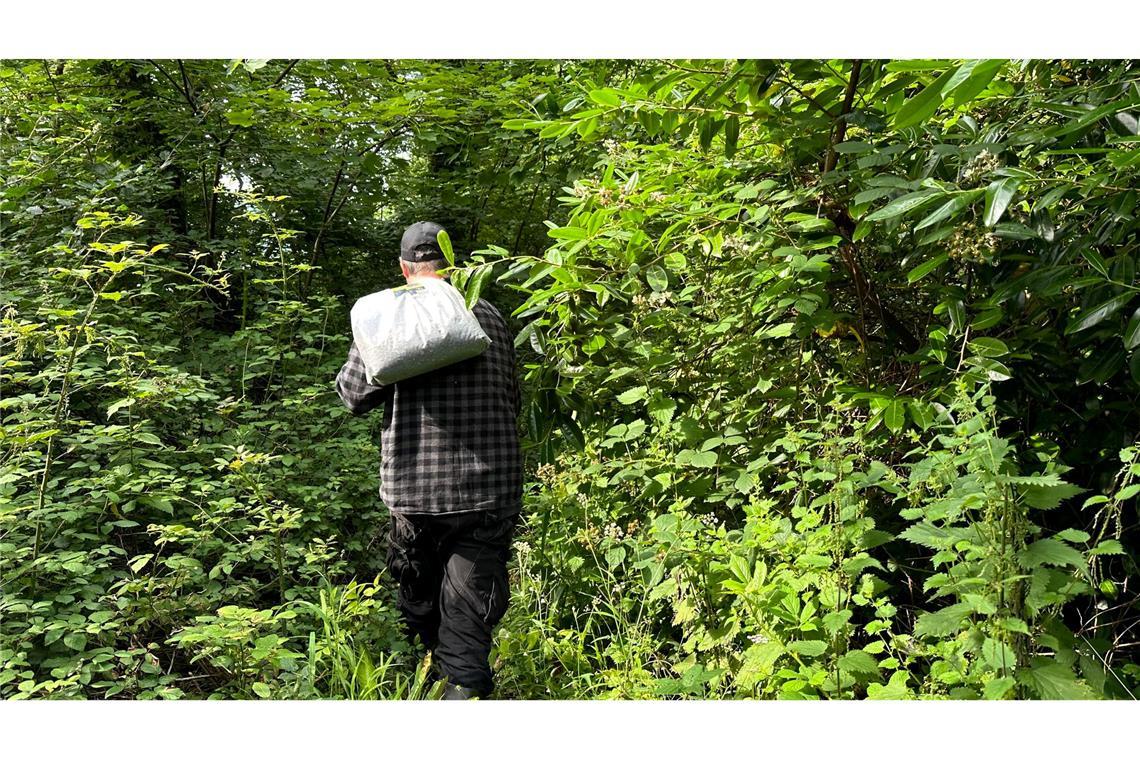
413, 329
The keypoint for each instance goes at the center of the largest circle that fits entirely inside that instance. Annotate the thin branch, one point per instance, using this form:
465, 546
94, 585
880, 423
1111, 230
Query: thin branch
839, 129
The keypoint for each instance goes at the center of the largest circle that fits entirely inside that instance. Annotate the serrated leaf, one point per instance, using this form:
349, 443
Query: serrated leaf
858, 661
808, 648
1049, 496
998, 688
633, 395
945, 622
1052, 680
998, 655
1050, 551
704, 459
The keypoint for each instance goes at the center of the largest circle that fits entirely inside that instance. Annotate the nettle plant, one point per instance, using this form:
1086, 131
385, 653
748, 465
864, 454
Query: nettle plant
1005, 577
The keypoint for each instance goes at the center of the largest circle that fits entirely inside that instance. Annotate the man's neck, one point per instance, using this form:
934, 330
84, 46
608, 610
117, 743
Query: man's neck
429, 276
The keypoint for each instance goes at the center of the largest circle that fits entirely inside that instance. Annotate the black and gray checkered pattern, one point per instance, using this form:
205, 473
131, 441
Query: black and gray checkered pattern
450, 438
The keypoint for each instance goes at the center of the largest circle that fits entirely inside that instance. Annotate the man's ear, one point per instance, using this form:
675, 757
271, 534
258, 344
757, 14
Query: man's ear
404, 269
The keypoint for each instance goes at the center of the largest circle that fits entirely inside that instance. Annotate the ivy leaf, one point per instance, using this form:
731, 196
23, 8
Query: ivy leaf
76, 641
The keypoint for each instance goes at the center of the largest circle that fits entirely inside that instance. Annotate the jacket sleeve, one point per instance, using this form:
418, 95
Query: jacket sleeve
353, 387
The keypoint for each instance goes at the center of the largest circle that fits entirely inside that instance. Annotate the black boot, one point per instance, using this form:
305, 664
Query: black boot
455, 691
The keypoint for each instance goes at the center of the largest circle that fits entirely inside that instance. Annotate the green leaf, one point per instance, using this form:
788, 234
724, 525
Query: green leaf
998, 688
989, 347
1052, 680
998, 655
1132, 332
1094, 316
731, 135
1050, 551
904, 203
945, 622
262, 690
243, 118
998, 196
858, 661
444, 241
961, 90
568, 233
76, 641
704, 459
657, 278
808, 648
475, 285
926, 267
950, 209
120, 404
923, 105
662, 408
1048, 496
1109, 546
895, 415
606, 97
633, 395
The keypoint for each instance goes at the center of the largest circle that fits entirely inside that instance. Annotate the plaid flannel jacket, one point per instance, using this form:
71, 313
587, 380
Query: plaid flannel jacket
450, 438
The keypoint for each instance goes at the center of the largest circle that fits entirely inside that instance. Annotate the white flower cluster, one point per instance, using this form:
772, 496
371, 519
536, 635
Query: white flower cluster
981, 165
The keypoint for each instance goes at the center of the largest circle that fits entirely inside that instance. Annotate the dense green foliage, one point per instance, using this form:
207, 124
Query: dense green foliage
831, 372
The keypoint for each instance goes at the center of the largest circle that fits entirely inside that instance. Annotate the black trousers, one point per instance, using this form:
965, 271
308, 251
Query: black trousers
451, 571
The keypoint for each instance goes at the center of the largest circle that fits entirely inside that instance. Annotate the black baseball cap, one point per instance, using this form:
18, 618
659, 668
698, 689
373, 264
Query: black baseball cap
419, 242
